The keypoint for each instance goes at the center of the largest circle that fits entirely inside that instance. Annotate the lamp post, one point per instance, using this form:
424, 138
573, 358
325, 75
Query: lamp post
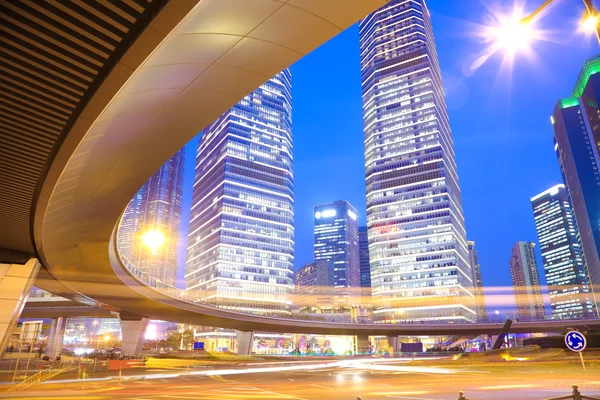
153, 239
512, 34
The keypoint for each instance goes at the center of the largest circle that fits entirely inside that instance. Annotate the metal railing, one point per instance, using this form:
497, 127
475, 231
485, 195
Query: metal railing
575, 395
43, 375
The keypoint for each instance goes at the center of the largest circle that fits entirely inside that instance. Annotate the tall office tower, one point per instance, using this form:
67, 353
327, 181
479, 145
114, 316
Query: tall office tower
365, 265
477, 280
419, 259
160, 210
155, 207
336, 240
566, 273
312, 287
526, 282
576, 122
241, 240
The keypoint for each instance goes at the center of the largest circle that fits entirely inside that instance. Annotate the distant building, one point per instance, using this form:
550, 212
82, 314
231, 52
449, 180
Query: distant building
110, 326
363, 248
526, 282
336, 240
76, 329
313, 287
566, 273
477, 280
241, 239
576, 122
155, 207
314, 274
417, 238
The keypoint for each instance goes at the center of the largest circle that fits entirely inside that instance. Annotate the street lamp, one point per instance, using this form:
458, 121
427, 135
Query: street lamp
153, 239
590, 21
514, 33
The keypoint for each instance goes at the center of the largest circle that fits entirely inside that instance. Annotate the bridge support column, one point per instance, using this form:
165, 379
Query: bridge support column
245, 340
393, 345
55, 338
362, 344
502, 336
133, 329
16, 281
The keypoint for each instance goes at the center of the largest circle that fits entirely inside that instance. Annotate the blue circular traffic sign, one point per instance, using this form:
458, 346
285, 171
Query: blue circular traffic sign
575, 341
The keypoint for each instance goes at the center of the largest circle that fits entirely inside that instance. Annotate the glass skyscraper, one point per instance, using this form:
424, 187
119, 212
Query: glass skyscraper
336, 240
576, 122
477, 280
566, 273
419, 259
526, 282
241, 240
156, 206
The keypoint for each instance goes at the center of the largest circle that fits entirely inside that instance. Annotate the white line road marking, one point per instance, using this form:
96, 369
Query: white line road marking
406, 397
319, 386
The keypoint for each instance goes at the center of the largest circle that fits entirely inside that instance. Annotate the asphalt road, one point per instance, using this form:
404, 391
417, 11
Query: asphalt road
334, 380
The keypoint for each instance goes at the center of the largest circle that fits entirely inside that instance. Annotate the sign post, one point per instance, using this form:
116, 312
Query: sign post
576, 342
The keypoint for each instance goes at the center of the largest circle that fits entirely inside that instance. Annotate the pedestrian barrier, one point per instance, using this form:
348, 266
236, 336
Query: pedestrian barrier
575, 395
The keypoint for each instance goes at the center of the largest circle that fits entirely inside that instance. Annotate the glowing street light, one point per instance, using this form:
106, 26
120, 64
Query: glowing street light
153, 239
106, 338
590, 22
513, 34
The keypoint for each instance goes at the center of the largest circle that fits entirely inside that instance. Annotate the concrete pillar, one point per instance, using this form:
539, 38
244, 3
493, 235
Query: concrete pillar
245, 340
55, 337
16, 281
133, 329
362, 344
393, 345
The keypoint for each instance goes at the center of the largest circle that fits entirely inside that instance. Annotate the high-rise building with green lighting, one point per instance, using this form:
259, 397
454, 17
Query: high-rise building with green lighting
576, 122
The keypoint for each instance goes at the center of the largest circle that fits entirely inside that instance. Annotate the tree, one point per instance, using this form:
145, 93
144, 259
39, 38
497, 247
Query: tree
174, 339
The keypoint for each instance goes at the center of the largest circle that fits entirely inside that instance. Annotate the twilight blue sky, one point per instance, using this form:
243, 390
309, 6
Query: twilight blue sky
499, 119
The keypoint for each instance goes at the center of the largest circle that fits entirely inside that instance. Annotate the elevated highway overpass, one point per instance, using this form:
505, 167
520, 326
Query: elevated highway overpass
89, 114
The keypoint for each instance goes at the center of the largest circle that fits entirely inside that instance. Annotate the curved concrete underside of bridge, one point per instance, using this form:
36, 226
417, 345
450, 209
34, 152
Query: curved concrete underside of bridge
191, 61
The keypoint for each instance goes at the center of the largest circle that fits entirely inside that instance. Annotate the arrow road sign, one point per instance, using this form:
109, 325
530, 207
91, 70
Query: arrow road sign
575, 341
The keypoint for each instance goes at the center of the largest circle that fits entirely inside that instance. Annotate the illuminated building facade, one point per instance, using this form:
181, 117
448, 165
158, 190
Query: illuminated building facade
477, 280
576, 123
418, 249
76, 329
241, 240
566, 273
526, 282
313, 288
336, 240
155, 207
